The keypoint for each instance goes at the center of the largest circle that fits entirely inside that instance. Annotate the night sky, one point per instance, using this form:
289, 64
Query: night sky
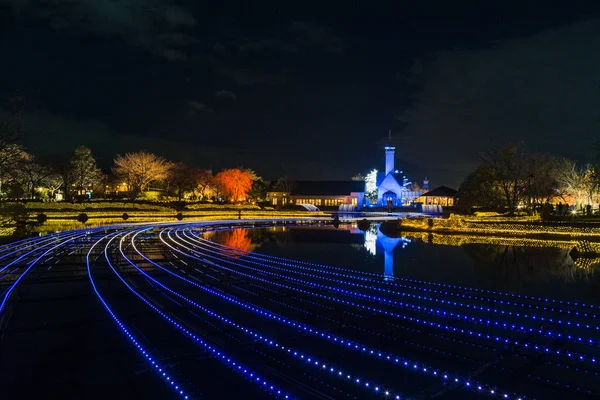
306, 90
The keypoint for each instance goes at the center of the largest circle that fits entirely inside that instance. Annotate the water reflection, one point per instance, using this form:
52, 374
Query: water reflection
528, 266
238, 239
375, 239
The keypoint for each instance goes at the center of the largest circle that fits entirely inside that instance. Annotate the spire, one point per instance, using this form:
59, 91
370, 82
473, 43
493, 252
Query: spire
389, 155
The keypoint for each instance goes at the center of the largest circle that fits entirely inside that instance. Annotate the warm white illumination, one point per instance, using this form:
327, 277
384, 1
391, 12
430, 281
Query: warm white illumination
371, 181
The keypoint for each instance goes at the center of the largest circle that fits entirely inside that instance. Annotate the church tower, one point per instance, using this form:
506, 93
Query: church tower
390, 151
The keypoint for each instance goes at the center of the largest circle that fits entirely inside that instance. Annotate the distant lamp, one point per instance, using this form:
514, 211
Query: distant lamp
396, 171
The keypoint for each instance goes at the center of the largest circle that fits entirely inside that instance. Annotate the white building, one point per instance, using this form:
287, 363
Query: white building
392, 186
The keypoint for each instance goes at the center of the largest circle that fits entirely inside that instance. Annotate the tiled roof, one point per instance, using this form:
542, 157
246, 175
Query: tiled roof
442, 191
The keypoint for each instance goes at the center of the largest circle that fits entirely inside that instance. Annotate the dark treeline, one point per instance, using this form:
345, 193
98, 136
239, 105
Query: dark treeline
513, 178
138, 175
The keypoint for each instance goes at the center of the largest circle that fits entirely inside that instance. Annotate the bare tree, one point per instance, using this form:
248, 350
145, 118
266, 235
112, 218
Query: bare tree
12, 128
204, 184
140, 169
284, 184
480, 189
183, 178
509, 167
579, 183
359, 177
543, 185
30, 175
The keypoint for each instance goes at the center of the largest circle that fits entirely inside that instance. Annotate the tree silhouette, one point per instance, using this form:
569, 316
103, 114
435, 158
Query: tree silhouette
83, 169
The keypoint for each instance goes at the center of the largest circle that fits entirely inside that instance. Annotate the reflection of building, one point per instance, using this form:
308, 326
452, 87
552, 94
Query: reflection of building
371, 240
443, 196
320, 193
325, 235
374, 238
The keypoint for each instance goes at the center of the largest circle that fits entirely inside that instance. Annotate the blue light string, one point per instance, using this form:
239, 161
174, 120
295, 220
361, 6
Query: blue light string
297, 353
68, 234
9, 290
529, 375
378, 280
236, 366
140, 348
417, 367
428, 310
451, 286
580, 357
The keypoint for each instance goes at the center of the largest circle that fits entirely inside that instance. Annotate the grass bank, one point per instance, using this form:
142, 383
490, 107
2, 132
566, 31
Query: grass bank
526, 227
20, 219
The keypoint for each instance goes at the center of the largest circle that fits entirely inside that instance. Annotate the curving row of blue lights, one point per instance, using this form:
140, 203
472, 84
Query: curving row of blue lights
348, 344
6, 294
156, 366
219, 355
376, 279
580, 357
498, 324
460, 288
298, 354
310, 286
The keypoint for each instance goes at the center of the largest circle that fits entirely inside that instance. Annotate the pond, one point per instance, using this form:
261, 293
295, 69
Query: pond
229, 309
534, 268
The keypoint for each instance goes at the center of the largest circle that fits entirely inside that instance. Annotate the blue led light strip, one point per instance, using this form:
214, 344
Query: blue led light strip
296, 353
6, 294
581, 357
378, 281
423, 309
141, 349
398, 360
236, 366
455, 287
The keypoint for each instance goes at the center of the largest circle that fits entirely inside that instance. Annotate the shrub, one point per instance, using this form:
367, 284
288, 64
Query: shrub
179, 216
83, 217
125, 216
41, 218
151, 195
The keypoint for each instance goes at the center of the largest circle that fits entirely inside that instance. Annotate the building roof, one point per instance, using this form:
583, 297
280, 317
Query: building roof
326, 188
382, 175
442, 191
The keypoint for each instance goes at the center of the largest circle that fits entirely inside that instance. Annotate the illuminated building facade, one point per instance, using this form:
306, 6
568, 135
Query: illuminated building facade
441, 196
320, 194
392, 186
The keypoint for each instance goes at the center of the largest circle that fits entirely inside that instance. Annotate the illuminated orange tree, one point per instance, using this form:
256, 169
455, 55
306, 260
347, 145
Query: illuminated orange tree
234, 183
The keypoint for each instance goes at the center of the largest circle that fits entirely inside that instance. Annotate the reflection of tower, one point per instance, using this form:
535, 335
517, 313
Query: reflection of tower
389, 244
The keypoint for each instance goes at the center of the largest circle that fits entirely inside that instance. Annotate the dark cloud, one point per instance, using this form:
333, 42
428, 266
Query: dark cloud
176, 15
542, 90
197, 107
313, 36
51, 134
270, 61
257, 46
155, 25
226, 94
